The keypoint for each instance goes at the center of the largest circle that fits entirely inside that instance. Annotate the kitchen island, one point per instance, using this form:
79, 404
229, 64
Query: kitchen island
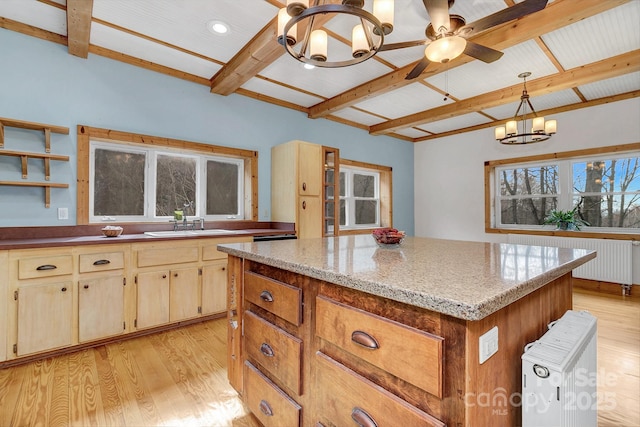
339, 329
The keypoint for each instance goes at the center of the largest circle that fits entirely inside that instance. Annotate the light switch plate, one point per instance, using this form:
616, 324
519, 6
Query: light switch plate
63, 213
488, 344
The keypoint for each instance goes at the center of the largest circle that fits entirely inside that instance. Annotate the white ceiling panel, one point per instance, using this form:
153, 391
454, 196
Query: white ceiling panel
540, 103
446, 125
128, 44
184, 23
610, 33
404, 101
281, 92
35, 13
357, 116
610, 87
476, 77
326, 82
412, 133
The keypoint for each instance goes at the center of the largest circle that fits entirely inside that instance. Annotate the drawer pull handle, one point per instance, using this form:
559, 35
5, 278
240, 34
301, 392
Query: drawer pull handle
102, 262
266, 296
265, 408
362, 418
46, 267
365, 340
266, 350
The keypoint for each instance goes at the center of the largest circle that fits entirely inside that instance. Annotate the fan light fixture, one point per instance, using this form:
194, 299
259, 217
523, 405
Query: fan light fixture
541, 130
368, 31
445, 48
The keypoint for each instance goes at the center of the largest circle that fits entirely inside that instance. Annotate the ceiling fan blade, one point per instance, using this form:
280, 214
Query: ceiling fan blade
438, 11
418, 69
524, 8
402, 45
483, 53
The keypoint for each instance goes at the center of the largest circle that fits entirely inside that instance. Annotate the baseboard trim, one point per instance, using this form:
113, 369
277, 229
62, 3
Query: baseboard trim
605, 288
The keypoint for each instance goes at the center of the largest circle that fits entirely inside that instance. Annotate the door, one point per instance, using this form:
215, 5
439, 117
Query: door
100, 308
214, 288
183, 300
153, 299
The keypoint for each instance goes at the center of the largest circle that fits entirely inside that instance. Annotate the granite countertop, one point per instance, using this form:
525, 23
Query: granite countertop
467, 280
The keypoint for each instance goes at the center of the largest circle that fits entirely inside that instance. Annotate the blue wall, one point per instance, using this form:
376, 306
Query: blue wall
41, 82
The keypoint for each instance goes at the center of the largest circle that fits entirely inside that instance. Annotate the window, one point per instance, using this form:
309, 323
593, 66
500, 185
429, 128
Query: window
359, 198
603, 187
149, 180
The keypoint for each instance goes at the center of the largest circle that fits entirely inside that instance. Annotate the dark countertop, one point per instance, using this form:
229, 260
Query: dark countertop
43, 237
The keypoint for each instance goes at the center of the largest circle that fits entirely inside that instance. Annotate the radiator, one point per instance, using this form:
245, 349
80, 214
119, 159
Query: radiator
559, 384
612, 263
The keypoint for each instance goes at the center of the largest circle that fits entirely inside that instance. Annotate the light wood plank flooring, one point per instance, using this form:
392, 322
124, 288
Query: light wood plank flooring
178, 378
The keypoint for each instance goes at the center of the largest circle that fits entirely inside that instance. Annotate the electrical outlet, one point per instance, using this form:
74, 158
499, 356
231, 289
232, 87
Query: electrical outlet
488, 344
63, 213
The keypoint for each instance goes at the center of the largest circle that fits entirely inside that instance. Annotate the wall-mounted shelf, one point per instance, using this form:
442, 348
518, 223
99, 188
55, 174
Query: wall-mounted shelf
46, 157
46, 185
47, 129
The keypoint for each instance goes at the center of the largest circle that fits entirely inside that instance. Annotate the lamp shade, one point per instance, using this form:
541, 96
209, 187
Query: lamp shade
550, 127
292, 37
512, 127
318, 45
383, 10
537, 125
445, 49
500, 132
359, 44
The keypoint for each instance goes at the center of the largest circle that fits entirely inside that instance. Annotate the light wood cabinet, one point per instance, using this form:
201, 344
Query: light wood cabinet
44, 317
297, 170
100, 307
60, 297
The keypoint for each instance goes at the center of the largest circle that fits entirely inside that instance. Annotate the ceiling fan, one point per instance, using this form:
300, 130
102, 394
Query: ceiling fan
447, 34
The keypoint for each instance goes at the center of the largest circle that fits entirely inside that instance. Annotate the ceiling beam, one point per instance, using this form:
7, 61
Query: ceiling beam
605, 69
558, 14
79, 14
255, 56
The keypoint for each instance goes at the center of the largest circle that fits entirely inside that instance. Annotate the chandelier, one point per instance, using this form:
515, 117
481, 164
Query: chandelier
541, 130
367, 34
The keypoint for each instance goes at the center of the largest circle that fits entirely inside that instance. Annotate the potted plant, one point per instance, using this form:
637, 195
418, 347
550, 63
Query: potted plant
565, 220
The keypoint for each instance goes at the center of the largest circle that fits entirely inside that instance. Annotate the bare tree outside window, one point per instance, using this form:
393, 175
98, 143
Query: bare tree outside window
222, 188
607, 192
175, 185
118, 183
528, 194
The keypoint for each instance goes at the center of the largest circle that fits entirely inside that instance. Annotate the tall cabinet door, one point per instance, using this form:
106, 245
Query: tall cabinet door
100, 308
44, 317
153, 299
310, 217
309, 169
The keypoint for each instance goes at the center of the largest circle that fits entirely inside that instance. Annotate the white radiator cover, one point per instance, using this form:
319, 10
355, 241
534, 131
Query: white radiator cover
613, 262
559, 374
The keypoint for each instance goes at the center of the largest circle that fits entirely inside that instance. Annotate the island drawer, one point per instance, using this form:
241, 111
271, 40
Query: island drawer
267, 402
285, 301
46, 266
101, 261
275, 350
344, 397
413, 355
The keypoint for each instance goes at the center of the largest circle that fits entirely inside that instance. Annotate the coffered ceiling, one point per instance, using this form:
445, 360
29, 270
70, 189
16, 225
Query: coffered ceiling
580, 53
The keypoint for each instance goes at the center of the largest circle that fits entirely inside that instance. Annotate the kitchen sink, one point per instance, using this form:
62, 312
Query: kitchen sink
187, 233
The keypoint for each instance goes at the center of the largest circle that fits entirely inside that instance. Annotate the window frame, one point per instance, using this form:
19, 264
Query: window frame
384, 190
565, 195
128, 141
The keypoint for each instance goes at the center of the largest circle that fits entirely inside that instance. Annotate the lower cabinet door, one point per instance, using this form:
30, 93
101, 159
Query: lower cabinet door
272, 406
184, 294
100, 308
44, 317
214, 288
345, 398
152, 299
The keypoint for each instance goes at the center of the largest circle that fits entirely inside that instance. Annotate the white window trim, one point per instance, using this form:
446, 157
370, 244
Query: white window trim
350, 200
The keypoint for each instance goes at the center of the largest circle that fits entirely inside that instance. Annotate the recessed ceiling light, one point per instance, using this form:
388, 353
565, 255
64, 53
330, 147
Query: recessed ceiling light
218, 27
309, 66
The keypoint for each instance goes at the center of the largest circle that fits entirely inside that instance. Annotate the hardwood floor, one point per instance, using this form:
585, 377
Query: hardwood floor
178, 378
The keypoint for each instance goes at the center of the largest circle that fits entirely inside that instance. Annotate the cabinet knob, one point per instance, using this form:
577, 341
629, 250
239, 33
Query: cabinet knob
64, 289
175, 274
164, 276
364, 339
265, 408
304, 186
362, 418
266, 350
86, 286
304, 204
266, 296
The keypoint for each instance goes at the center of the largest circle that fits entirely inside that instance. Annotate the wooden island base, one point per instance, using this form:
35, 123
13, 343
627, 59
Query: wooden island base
318, 354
